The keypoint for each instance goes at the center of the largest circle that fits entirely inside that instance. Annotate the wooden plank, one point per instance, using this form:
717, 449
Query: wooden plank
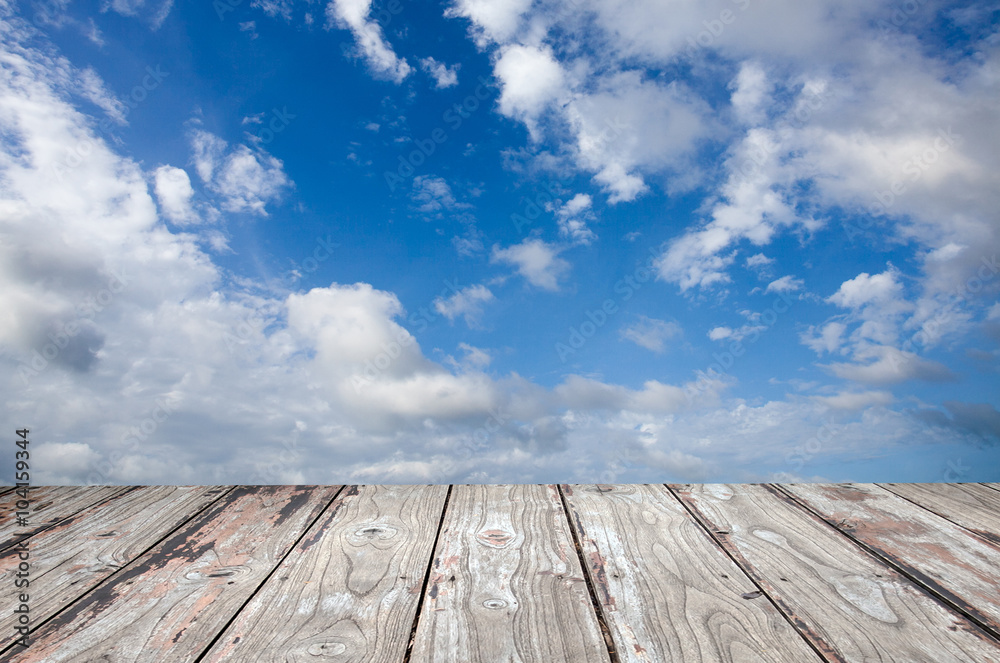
49, 505
847, 603
974, 507
78, 553
956, 565
667, 591
507, 584
171, 602
349, 590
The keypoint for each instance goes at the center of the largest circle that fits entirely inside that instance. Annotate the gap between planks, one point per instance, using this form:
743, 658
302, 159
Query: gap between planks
598, 611
902, 570
427, 577
748, 572
110, 577
267, 577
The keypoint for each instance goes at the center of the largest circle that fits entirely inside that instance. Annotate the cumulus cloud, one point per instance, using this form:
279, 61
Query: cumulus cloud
443, 75
353, 15
467, 302
785, 284
535, 260
855, 400
652, 334
572, 217
246, 178
174, 193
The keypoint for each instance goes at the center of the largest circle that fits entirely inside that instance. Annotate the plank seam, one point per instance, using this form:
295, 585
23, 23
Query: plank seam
996, 488
602, 623
930, 591
9, 648
427, 578
113, 496
939, 515
305, 530
750, 576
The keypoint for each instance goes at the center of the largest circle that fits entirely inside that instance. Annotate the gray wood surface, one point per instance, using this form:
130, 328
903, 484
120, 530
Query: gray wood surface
667, 591
974, 507
171, 602
507, 584
349, 591
850, 605
49, 505
957, 565
78, 553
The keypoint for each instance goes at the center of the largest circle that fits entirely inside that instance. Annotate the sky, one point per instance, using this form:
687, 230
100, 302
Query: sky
484, 241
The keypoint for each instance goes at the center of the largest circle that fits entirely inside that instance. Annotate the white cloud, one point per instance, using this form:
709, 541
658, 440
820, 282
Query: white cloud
535, 260
353, 15
246, 179
785, 284
855, 400
572, 217
531, 80
272, 8
720, 333
652, 334
467, 302
174, 193
444, 76
750, 92
888, 365
491, 21
865, 289
433, 195
829, 338
759, 261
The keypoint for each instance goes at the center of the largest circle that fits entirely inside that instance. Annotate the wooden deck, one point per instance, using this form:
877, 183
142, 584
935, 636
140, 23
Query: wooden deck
491, 574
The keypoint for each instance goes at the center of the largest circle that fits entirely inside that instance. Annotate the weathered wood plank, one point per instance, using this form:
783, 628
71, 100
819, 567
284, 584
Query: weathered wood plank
974, 507
667, 591
49, 505
507, 584
848, 604
940, 555
79, 552
171, 602
349, 591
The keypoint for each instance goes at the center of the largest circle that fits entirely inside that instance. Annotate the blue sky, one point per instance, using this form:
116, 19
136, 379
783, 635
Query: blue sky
322, 241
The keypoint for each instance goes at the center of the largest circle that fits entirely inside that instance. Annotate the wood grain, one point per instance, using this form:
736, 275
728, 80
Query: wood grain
507, 584
79, 552
171, 602
349, 591
49, 505
848, 604
940, 555
667, 591
974, 507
